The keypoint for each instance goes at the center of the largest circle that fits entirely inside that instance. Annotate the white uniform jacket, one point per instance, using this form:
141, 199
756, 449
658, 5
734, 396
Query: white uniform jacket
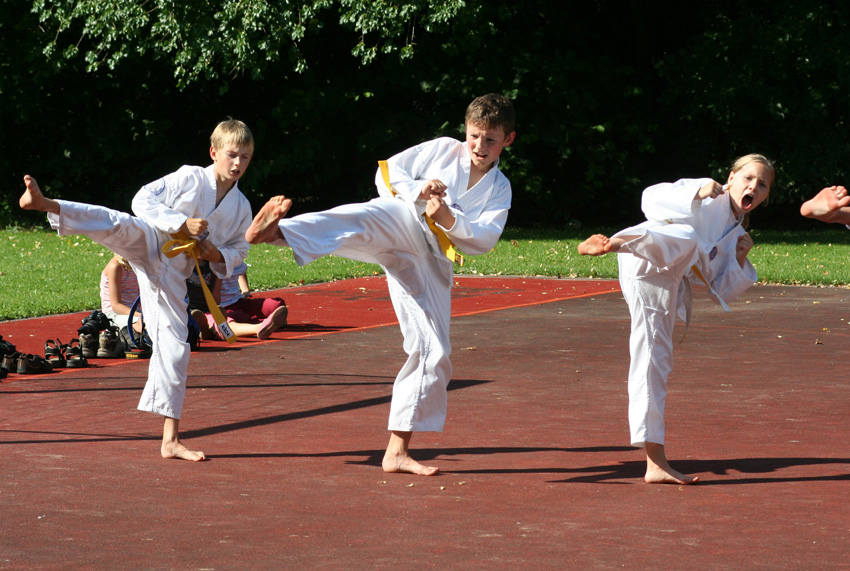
190, 192
480, 212
710, 222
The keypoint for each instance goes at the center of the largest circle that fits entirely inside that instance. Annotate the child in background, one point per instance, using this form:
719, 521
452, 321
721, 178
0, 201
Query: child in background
693, 233
246, 317
119, 289
466, 198
203, 204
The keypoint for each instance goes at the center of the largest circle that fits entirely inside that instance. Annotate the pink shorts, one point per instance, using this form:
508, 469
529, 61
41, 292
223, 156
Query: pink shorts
249, 310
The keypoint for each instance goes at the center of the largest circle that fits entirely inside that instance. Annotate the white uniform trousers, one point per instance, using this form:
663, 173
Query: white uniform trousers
385, 231
162, 287
651, 269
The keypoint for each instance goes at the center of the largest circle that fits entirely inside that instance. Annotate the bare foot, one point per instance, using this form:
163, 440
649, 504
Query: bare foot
658, 470
264, 228
179, 450
596, 245
33, 199
404, 463
171, 445
825, 204
397, 458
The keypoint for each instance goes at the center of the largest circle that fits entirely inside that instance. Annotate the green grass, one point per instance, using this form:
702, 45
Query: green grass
42, 273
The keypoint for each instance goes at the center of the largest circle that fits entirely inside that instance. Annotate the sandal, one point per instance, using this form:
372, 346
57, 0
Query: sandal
33, 365
74, 355
54, 353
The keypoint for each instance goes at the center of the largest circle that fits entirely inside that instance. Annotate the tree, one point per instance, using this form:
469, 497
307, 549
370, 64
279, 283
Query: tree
103, 96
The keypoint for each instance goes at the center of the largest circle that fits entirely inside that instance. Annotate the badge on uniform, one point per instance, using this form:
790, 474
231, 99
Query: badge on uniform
712, 254
457, 207
156, 187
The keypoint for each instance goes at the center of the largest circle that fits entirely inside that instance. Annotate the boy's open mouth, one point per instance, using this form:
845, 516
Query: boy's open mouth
747, 200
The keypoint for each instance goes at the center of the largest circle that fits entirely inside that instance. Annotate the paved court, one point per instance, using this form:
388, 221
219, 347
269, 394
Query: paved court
536, 471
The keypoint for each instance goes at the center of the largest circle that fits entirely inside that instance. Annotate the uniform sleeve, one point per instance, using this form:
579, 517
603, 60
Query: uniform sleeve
407, 168
672, 201
480, 235
732, 280
728, 278
167, 203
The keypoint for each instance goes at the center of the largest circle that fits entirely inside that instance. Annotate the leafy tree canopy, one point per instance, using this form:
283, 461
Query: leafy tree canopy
211, 40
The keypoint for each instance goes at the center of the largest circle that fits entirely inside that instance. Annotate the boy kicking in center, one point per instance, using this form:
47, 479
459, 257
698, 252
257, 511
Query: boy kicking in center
460, 188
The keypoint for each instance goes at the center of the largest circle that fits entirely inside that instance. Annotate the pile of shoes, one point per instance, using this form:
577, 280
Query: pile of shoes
99, 337
91, 331
13, 361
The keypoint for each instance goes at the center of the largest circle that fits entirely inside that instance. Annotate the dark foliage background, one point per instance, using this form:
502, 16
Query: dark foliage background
100, 97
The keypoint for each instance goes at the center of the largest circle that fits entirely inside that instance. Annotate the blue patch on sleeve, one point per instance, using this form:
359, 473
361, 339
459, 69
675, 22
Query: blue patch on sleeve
156, 187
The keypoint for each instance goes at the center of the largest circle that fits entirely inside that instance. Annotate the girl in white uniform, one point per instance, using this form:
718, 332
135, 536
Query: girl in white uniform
459, 186
693, 235
204, 203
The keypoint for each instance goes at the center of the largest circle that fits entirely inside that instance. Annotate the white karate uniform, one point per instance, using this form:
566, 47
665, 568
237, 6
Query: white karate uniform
392, 232
656, 271
161, 208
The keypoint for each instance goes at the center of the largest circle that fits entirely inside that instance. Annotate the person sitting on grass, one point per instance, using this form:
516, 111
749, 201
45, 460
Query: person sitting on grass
694, 233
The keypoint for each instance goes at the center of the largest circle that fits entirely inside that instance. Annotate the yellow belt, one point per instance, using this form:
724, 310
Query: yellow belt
182, 244
446, 244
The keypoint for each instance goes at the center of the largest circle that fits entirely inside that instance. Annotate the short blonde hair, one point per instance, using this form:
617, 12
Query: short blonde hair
232, 131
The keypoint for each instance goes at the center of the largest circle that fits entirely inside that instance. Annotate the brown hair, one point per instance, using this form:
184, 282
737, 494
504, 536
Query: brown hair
492, 111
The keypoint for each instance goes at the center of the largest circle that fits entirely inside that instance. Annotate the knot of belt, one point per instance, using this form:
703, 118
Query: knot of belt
183, 244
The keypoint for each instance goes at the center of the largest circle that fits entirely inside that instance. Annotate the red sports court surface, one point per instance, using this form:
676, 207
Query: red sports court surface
536, 471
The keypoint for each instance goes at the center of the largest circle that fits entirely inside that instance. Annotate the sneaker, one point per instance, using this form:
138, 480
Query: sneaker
110, 346
33, 365
89, 344
272, 323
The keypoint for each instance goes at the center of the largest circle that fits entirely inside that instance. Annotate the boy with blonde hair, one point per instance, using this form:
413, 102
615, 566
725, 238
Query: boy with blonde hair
204, 204
438, 191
